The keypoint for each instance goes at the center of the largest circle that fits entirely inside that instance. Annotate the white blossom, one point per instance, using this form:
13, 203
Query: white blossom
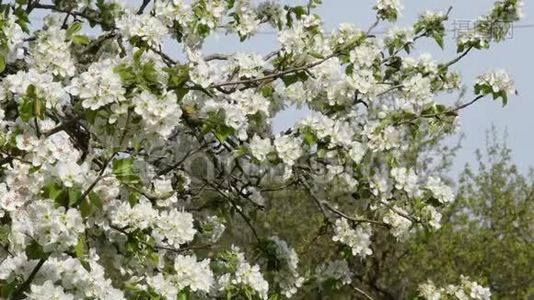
288, 148
442, 192
260, 147
51, 52
174, 228
337, 270
14, 36
149, 29
213, 227
287, 276
48, 291
160, 114
98, 86
246, 275
190, 273
357, 238
396, 218
248, 65
55, 229
406, 180
498, 81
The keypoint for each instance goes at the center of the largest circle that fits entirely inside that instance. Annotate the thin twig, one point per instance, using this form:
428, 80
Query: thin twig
98, 178
273, 75
19, 293
448, 112
457, 59
178, 163
362, 292
142, 7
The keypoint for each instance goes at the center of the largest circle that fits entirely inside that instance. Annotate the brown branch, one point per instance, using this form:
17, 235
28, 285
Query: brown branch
273, 75
178, 163
448, 112
98, 178
360, 291
325, 204
19, 293
457, 59
143, 6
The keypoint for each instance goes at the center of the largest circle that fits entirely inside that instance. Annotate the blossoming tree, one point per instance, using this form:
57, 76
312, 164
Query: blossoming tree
123, 165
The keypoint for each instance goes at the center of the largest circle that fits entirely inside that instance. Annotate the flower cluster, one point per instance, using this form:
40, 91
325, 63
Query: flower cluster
499, 84
442, 192
388, 9
13, 35
145, 27
465, 290
98, 86
188, 273
337, 270
358, 239
406, 179
243, 274
160, 114
53, 228
51, 52
400, 224
171, 227
287, 274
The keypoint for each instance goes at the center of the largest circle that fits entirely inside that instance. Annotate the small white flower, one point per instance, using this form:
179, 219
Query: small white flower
358, 238
337, 270
499, 81
174, 228
48, 291
442, 192
260, 147
406, 180
190, 273
288, 148
98, 86
400, 225
148, 28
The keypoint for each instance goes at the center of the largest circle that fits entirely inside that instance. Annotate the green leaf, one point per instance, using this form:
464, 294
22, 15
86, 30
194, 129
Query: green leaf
2, 63
74, 195
80, 39
38, 110
52, 191
35, 251
183, 295
85, 208
8, 289
230, 4
96, 201
439, 39
73, 28
31, 106
299, 11
125, 172
90, 204
26, 109
309, 137
223, 132
80, 248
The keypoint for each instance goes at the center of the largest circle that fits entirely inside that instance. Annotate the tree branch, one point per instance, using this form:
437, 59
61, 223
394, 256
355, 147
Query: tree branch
143, 6
19, 293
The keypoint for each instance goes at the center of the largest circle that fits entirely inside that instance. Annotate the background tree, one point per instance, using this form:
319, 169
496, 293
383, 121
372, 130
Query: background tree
486, 232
